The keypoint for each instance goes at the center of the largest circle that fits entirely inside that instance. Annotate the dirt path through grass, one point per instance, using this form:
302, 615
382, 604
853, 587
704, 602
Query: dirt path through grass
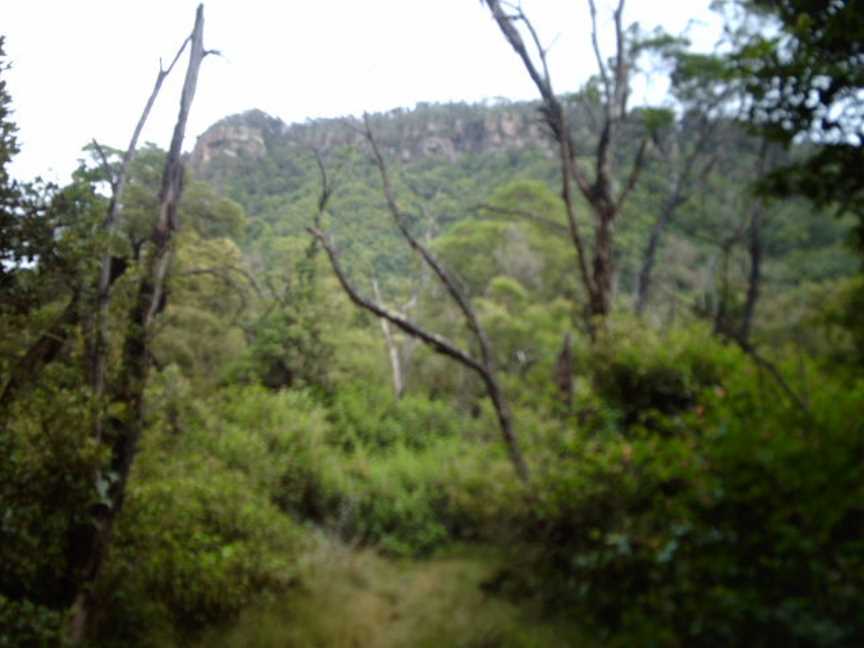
350, 598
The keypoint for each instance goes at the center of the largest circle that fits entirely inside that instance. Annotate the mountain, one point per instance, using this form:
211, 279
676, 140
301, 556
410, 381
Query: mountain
442, 131
445, 159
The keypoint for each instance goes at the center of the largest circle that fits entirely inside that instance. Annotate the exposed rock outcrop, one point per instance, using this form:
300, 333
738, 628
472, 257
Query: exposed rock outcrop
430, 130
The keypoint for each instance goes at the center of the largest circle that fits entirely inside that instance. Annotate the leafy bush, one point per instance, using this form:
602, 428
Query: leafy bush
750, 525
24, 623
648, 376
201, 535
47, 484
369, 416
192, 549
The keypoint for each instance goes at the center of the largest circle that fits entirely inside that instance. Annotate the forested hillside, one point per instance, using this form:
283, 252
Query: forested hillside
572, 372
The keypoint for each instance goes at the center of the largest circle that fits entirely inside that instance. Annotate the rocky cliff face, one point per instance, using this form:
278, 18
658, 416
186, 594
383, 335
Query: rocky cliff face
440, 131
242, 136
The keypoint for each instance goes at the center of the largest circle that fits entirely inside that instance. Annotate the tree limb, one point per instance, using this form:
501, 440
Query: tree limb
431, 261
118, 184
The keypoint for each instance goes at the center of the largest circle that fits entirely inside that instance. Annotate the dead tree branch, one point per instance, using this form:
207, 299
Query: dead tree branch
439, 345
392, 348
448, 283
118, 184
484, 367
87, 555
598, 190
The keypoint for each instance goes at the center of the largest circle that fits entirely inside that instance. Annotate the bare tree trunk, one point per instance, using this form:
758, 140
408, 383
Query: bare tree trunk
754, 279
392, 348
598, 191
603, 265
118, 184
721, 316
439, 345
649, 258
91, 548
564, 372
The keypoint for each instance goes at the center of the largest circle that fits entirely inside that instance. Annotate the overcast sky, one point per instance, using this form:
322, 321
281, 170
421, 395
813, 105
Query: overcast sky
83, 69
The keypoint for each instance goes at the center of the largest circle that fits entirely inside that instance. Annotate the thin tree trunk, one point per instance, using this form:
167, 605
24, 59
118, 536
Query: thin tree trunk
564, 372
755, 249
440, 345
118, 184
392, 348
603, 264
649, 258
754, 279
598, 191
721, 325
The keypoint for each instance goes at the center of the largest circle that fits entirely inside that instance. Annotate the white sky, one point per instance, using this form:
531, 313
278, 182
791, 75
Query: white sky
83, 69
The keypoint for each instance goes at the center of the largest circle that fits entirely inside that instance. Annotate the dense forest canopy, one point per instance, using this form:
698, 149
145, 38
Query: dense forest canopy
572, 371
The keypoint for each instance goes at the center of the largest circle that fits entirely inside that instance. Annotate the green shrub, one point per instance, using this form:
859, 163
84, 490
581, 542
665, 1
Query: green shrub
48, 464
370, 416
201, 535
24, 623
747, 526
192, 549
648, 376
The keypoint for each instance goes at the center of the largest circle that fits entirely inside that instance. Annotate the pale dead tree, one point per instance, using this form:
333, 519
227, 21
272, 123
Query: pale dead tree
117, 180
596, 185
90, 546
483, 366
392, 347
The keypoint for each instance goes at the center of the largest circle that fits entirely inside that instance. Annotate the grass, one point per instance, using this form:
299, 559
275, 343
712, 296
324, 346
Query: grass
355, 598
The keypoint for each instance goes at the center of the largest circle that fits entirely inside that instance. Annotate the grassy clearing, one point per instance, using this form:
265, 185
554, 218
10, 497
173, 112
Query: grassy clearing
351, 598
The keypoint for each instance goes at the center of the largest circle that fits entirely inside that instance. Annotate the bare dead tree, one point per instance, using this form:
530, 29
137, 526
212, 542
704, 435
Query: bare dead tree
118, 184
483, 366
87, 555
597, 185
392, 347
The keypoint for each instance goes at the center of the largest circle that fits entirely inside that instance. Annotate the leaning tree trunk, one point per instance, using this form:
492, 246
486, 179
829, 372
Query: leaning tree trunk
483, 366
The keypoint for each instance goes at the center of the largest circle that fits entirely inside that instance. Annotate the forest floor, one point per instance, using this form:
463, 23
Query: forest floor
356, 598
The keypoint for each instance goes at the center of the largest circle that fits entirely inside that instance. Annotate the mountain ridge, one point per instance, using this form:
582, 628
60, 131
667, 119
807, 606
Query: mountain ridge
447, 130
